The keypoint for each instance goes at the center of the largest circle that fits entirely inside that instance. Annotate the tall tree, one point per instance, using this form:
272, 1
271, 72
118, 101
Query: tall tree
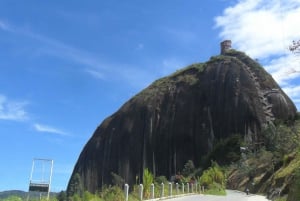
62, 196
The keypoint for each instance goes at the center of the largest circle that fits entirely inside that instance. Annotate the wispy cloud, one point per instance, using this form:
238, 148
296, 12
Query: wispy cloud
55, 47
95, 73
90, 63
264, 30
12, 110
49, 129
5, 26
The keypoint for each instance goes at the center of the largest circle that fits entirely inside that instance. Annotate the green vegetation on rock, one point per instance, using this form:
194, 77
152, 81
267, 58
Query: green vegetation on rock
213, 179
272, 167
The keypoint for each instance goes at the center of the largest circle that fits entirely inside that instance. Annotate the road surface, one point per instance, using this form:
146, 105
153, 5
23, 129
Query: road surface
231, 196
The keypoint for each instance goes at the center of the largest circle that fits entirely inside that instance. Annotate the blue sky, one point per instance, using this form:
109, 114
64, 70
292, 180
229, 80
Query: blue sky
65, 66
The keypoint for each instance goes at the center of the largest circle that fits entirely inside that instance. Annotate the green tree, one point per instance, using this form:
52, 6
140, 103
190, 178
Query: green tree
87, 196
62, 196
226, 151
282, 139
212, 175
75, 197
188, 168
147, 181
75, 186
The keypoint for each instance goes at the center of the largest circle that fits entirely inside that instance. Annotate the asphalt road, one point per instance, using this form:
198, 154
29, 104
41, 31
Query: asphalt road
231, 196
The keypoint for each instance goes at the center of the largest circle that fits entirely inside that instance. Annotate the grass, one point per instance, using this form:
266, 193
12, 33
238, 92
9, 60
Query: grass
186, 76
215, 191
288, 169
281, 199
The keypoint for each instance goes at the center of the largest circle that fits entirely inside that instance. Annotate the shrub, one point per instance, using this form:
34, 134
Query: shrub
160, 179
213, 176
117, 180
113, 194
227, 151
294, 194
75, 186
215, 189
188, 169
147, 181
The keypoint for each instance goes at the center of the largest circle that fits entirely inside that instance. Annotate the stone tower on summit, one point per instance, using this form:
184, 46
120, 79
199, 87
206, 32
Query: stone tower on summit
225, 45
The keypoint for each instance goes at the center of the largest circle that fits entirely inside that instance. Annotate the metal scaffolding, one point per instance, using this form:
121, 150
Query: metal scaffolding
40, 177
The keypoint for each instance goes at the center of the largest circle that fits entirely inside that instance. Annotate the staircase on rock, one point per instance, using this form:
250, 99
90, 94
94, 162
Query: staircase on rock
263, 94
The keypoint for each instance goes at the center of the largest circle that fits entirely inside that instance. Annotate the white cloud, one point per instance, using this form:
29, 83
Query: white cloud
264, 30
95, 73
48, 129
293, 91
12, 110
284, 68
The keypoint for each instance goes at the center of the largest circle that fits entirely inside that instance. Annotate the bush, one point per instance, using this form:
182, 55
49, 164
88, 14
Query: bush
147, 181
188, 169
215, 189
227, 150
282, 139
117, 180
160, 179
213, 177
294, 194
113, 194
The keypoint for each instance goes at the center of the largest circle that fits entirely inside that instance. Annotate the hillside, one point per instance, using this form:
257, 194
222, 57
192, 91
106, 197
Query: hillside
6, 194
274, 168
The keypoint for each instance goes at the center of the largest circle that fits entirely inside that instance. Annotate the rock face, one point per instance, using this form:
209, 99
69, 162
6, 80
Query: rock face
177, 118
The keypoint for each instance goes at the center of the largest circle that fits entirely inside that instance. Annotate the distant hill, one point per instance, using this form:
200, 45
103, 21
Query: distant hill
19, 193
6, 194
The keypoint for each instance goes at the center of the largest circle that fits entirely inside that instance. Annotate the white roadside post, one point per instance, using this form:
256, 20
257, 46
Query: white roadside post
170, 189
162, 192
152, 191
126, 189
141, 192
